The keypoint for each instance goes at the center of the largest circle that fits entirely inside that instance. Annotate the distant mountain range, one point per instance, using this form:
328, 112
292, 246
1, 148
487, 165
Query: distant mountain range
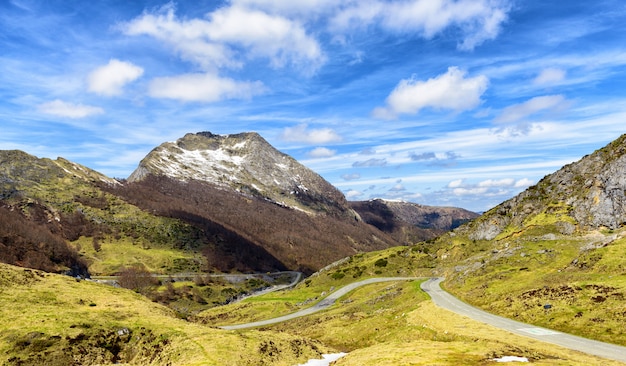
234, 199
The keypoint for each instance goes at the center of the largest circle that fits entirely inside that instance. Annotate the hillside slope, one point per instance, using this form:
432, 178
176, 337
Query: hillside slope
554, 254
71, 322
411, 222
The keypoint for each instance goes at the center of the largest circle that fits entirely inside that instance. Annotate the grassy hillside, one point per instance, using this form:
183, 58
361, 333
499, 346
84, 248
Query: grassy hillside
581, 277
65, 322
390, 323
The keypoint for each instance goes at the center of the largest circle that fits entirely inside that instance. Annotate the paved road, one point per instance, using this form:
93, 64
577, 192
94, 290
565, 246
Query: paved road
449, 302
325, 303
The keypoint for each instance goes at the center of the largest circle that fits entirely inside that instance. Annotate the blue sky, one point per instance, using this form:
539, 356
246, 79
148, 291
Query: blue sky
440, 102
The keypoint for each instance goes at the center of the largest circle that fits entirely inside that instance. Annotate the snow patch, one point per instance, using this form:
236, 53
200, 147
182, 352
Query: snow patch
324, 362
510, 359
207, 165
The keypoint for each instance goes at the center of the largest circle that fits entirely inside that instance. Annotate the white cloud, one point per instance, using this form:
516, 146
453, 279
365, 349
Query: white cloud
524, 183
455, 183
397, 188
214, 42
451, 90
300, 133
520, 111
352, 176
70, 110
290, 7
549, 76
321, 152
478, 20
370, 163
506, 182
352, 194
469, 191
203, 88
111, 78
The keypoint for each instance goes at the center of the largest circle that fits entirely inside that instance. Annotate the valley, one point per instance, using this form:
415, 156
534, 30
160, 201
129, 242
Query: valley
185, 246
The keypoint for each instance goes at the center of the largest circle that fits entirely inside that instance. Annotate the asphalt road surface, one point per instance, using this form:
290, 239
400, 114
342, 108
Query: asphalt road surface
449, 302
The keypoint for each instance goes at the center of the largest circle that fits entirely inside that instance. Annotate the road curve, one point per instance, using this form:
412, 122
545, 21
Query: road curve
323, 304
444, 300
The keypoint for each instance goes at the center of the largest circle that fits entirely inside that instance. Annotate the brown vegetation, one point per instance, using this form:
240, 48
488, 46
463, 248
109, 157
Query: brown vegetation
245, 233
27, 243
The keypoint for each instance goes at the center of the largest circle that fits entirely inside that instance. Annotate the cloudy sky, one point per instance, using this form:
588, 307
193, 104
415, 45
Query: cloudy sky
440, 102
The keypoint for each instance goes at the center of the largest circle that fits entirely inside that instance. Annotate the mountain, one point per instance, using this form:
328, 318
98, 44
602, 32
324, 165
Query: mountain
245, 163
33, 230
205, 202
411, 222
246, 197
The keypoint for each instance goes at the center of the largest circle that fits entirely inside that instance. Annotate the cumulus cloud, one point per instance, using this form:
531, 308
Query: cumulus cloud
488, 187
524, 183
397, 188
110, 79
352, 194
352, 176
439, 159
301, 133
203, 88
216, 40
452, 90
477, 20
549, 76
455, 183
368, 151
370, 163
506, 182
461, 191
532, 106
321, 152
422, 156
64, 109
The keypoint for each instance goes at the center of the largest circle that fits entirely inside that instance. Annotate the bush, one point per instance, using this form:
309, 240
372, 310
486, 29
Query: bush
382, 262
137, 279
337, 275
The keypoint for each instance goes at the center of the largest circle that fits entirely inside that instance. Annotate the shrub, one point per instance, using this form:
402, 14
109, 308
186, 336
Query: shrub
382, 262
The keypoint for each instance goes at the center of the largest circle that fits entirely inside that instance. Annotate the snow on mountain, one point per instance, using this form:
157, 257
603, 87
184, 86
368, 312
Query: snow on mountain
243, 162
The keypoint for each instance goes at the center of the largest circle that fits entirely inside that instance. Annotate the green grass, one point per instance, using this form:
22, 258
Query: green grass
585, 285
117, 253
68, 321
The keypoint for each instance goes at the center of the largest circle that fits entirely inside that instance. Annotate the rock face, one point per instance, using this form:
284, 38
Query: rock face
587, 194
244, 162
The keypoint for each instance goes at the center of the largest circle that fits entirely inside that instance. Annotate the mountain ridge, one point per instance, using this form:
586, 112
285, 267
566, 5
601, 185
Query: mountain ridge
244, 162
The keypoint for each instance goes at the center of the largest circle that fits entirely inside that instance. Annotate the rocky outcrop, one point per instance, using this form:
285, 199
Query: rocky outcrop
587, 194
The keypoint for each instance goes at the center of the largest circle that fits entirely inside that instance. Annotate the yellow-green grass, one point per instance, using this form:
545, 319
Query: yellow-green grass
449, 339
55, 320
114, 254
582, 281
395, 324
401, 262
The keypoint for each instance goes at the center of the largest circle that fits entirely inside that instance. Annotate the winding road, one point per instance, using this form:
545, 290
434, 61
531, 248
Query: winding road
325, 303
446, 301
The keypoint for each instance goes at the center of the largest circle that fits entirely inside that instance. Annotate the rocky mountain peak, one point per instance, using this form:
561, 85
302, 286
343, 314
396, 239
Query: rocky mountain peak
587, 194
244, 162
